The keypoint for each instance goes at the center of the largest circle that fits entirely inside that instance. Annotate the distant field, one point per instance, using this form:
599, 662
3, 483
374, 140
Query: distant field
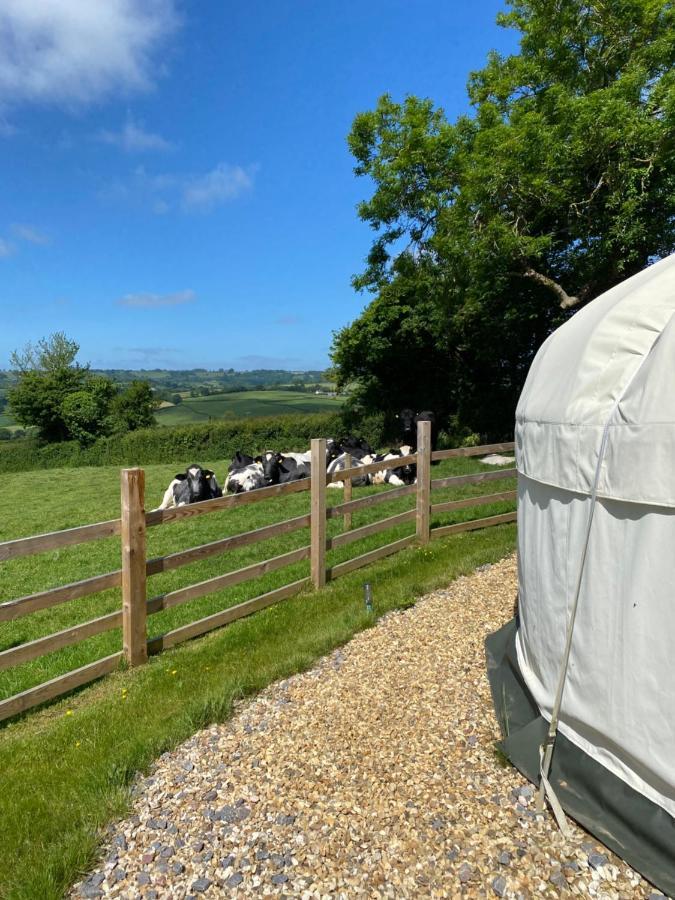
243, 405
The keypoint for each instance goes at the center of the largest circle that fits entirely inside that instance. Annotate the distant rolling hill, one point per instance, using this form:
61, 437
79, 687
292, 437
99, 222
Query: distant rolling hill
243, 405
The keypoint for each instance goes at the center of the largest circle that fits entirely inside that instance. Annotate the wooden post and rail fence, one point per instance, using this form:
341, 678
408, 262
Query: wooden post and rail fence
136, 568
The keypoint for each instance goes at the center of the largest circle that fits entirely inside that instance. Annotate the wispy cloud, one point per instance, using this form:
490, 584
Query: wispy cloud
73, 53
188, 192
221, 184
30, 234
155, 301
6, 249
133, 138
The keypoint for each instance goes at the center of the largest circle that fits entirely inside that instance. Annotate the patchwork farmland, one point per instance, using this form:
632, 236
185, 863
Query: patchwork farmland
245, 404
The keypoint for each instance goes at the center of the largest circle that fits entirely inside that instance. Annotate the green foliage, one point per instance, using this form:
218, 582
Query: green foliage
86, 413
181, 445
490, 229
132, 408
65, 401
47, 374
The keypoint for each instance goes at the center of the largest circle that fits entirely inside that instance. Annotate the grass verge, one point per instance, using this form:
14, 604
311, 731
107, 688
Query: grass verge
69, 497
65, 771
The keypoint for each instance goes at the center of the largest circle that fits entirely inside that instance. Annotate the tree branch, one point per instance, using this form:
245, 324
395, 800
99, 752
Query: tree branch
566, 300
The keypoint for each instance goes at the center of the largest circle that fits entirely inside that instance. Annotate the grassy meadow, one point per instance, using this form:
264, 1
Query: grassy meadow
244, 405
65, 769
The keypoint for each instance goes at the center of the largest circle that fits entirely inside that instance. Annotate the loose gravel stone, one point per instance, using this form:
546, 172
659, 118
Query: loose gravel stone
374, 774
499, 886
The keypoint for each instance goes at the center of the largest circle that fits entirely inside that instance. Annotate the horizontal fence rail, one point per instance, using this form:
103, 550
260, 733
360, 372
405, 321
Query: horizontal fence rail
14, 609
445, 530
372, 500
183, 595
452, 505
55, 540
371, 468
478, 478
215, 548
217, 620
161, 516
483, 450
57, 686
41, 646
137, 568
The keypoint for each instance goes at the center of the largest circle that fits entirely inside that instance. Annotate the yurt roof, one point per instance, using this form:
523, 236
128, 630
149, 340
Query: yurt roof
611, 368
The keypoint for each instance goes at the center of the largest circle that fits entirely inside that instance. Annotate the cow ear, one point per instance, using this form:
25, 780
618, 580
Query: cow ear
180, 477
208, 473
258, 459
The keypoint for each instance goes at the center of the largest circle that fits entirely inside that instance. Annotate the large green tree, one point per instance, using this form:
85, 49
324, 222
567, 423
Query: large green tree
64, 400
492, 229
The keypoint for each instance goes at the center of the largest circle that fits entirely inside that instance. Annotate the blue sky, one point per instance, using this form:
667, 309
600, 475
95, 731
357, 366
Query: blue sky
177, 187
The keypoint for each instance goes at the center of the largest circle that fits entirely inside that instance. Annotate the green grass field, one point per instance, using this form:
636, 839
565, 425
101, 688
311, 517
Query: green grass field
65, 770
244, 405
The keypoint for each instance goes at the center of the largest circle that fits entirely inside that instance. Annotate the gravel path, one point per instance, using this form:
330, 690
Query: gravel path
372, 775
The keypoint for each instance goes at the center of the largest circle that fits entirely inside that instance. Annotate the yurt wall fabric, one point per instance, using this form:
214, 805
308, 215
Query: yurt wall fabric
588, 375
618, 681
595, 432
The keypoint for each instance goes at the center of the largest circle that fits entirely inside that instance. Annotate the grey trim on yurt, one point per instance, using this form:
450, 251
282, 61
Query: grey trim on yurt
637, 830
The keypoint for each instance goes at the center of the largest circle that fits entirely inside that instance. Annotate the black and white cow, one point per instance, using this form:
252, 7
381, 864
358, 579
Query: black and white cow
397, 476
340, 464
428, 416
407, 429
191, 486
244, 474
357, 446
280, 468
333, 450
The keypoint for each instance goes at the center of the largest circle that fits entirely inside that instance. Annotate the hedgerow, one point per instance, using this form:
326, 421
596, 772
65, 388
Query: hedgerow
182, 444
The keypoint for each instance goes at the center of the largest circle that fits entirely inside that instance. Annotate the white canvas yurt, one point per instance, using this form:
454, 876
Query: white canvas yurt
595, 450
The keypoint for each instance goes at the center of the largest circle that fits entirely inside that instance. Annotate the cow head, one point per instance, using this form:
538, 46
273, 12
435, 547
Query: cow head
271, 461
333, 450
196, 484
406, 424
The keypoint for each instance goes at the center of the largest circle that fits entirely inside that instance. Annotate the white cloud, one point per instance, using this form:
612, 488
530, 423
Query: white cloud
75, 52
154, 301
133, 138
193, 193
30, 234
223, 183
6, 249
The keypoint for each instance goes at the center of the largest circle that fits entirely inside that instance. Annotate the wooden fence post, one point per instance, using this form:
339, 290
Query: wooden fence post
318, 509
347, 493
134, 594
424, 482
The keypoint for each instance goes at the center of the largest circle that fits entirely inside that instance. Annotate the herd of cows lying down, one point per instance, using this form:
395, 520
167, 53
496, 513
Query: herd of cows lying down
248, 473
